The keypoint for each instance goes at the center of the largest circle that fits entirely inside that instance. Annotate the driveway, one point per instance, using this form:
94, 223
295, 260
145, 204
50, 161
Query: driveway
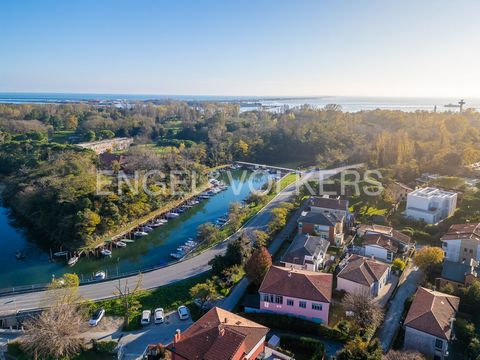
392, 321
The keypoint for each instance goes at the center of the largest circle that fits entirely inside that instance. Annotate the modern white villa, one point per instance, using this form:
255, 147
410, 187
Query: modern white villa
430, 204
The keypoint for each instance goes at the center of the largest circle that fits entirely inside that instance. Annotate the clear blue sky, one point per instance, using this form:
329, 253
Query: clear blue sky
262, 47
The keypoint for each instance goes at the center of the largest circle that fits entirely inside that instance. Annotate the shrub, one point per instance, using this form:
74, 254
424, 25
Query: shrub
398, 265
106, 347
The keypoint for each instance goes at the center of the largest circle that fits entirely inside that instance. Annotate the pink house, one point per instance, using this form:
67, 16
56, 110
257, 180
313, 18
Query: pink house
301, 293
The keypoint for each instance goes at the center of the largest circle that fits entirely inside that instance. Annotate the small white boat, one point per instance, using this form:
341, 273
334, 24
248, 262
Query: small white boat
140, 233
100, 275
146, 229
126, 241
72, 261
177, 255
106, 252
60, 253
172, 215
120, 244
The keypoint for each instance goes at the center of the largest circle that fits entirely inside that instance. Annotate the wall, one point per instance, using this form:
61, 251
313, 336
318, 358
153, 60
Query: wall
351, 287
377, 251
422, 342
319, 316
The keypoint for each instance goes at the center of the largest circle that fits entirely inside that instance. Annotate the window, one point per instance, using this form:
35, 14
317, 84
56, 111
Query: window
470, 251
290, 302
278, 299
438, 344
465, 250
316, 306
445, 244
302, 304
389, 255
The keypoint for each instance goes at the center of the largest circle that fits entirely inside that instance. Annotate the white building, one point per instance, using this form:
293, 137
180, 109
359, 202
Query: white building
430, 204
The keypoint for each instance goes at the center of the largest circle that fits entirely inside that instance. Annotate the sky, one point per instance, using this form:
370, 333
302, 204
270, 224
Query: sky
399, 48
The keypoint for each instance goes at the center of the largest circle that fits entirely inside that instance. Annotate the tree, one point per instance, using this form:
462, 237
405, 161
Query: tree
55, 332
128, 298
261, 238
238, 252
398, 264
358, 349
204, 293
403, 355
279, 219
208, 233
258, 265
428, 257
367, 314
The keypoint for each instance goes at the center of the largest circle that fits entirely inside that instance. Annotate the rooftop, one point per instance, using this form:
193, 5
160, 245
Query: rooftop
431, 312
305, 245
313, 217
328, 203
463, 231
430, 192
300, 284
456, 271
363, 270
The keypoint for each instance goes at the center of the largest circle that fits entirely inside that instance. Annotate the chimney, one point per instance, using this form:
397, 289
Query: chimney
177, 337
225, 320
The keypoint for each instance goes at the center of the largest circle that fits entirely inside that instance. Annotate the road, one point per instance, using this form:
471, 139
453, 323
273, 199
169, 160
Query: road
190, 267
393, 317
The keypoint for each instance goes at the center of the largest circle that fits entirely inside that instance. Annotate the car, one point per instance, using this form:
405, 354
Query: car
183, 312
158, 316
96, 317
146, 316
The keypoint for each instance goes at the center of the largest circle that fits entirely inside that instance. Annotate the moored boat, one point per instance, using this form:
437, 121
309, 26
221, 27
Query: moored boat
120, 244
106, 252
72, 261
172, 215
100, 275
140, 233
60, 253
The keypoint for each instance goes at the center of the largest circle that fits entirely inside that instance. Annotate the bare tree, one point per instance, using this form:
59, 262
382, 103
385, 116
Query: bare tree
128, 297
55, 333
366, 313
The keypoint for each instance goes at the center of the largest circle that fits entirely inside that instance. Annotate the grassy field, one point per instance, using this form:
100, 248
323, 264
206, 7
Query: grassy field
61, 137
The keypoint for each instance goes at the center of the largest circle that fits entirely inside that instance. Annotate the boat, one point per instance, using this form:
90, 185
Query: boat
146, 229
140, 233
72, 261
177, 255
100, 275
120, 244
172, 215
19, 255
60, 253
156, 224
126, 241
106, 252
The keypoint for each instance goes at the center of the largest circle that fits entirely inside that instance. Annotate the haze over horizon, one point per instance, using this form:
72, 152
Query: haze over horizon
211, 48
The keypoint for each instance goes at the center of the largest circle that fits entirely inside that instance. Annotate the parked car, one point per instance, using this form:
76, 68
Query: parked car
97, 316
183, 312
146, 316
158, 316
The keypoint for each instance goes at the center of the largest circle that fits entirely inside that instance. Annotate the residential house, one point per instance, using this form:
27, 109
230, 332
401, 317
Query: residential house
306, 252
364, 229
325, 225
458, 274
430, 204
219, 335
462, 243
363, 275
385, 246
429, 323
399, 191
300, 293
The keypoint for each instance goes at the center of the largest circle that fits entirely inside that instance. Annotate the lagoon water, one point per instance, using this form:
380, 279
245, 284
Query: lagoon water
146, 252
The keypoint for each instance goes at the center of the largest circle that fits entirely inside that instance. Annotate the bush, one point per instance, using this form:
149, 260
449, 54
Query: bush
106, 347
293, 324
398, 265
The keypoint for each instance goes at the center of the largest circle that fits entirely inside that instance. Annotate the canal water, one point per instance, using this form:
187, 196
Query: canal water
149, 251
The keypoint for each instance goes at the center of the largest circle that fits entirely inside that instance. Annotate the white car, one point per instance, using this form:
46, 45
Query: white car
146, 316
96, 317
183, 313
158, 316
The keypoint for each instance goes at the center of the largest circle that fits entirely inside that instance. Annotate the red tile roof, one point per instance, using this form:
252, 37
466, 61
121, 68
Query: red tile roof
431, 312
328, 203
300, 284
381, 240
463, 231
363, 270
218, 335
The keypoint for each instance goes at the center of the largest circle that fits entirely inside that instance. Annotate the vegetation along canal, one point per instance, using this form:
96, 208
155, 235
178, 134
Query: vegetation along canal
149, 251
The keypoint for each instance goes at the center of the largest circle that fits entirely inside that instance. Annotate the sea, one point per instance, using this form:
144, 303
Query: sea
347, 103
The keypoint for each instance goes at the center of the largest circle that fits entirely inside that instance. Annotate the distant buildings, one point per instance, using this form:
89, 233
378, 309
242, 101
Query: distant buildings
429, 323
306, 252
299, 293
363, 275
102, 146
399, 191
430, 204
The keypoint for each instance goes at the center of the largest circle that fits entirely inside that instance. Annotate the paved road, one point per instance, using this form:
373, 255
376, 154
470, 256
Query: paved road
167, 275
393, 316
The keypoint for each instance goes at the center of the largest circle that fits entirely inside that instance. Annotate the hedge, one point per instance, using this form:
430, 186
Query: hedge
293, 324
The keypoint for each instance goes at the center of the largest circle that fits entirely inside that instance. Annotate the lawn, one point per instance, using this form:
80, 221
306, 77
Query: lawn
61, 137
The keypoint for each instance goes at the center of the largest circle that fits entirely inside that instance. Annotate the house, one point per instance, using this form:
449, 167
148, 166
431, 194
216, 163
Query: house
306, 252
429, 323
219, 335
301, 293
461, 243
385, 246
364, 229
326, 225
327, 205
399, 191
430, 204
458, 274
363, 275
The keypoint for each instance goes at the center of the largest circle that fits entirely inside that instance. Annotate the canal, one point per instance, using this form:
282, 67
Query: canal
149, 251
